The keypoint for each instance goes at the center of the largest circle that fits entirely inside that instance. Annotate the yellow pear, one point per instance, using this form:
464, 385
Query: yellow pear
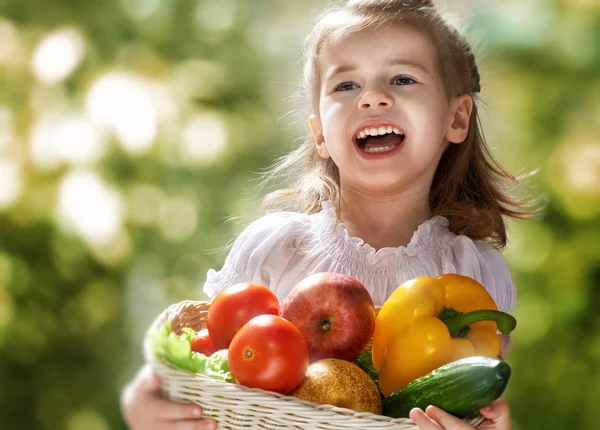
339, 383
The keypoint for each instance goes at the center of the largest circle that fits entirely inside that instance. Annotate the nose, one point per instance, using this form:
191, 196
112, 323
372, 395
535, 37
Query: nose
375, 98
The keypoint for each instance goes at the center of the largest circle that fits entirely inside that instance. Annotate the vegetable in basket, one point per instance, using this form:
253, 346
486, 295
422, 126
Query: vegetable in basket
234, 307
169, 347
217, 366
270, 353
203, 343
428, 322
461, 388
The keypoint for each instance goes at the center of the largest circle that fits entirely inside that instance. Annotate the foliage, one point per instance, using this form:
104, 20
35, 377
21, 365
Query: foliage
131, 131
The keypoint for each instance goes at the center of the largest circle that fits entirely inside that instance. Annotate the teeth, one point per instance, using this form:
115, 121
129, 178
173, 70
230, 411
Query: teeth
384, 149
380, 131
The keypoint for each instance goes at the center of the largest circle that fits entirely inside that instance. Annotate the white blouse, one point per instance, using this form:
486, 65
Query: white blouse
280, 249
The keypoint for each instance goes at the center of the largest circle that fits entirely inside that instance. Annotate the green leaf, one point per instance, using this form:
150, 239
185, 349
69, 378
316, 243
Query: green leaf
179, 351
217, 366
188, 334
198, 362
159, 340
218, 361
167, 346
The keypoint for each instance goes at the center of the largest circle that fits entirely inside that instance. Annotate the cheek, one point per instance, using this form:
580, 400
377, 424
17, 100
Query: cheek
332, 117
429, 118
335, 114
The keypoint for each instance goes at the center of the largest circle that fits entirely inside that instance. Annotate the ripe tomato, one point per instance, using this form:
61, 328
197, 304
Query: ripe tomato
269, 352
203, 344
234, 307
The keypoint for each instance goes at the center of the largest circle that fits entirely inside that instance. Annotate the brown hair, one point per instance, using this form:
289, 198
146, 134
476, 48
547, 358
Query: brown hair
469, 186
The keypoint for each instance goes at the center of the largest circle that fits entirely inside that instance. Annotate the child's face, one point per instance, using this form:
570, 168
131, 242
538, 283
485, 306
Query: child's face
390, 76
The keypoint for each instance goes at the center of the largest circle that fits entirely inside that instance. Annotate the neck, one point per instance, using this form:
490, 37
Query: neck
384, 221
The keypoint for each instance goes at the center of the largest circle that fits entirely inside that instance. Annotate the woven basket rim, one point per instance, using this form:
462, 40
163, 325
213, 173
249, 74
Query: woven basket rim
288, 399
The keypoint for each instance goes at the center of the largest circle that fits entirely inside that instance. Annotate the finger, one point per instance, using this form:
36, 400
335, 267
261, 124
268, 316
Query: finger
166, 410
445, 420
422, 421
498, 413
150, 380
495, 410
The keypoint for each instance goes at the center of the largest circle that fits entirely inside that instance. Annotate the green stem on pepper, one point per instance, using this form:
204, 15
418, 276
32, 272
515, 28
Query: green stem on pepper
458, 323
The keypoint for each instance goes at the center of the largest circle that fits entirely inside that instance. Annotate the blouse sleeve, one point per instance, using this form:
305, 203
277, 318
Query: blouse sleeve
259, 254
480, 261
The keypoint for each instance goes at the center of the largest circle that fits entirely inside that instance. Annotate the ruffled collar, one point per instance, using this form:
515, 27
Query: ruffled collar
428, 239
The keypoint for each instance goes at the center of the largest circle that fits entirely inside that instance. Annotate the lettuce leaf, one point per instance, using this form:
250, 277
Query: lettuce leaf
168, 347
217, 366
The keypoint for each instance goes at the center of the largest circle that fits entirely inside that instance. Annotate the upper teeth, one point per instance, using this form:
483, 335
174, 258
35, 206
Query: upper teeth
378, 131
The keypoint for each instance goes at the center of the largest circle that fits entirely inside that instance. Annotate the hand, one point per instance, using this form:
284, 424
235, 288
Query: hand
496, 414
144, 409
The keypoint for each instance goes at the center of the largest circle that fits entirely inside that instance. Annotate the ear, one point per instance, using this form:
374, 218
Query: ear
461, 114
317, 131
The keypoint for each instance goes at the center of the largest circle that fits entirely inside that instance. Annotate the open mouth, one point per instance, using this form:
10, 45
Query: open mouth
379, 139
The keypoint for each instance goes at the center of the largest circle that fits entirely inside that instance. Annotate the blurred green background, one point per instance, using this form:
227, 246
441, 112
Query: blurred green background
132, 138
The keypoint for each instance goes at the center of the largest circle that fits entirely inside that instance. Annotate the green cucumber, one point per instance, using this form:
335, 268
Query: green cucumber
460, 388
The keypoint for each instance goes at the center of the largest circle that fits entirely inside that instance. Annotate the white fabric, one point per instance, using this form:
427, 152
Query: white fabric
280, 249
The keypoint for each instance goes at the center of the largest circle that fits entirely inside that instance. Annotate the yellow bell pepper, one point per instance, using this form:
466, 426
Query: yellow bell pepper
428, 322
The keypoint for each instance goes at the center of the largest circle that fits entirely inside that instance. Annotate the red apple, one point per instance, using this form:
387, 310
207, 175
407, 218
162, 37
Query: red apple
334, 312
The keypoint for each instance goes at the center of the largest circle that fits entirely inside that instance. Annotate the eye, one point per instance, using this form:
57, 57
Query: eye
345, 86
403, 80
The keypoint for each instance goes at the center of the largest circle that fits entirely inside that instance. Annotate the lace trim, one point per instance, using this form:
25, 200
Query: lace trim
427, 241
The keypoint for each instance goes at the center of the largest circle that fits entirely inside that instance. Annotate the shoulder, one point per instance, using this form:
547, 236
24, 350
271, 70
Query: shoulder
273, 227
491, 256
271, 237
259, 252
484, 263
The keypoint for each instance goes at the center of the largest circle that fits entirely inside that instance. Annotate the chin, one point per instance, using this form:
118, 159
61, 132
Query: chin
381, 186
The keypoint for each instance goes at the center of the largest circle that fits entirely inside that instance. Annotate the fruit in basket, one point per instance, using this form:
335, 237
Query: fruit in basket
428, 322
461, 388
234, 307
203, 344
339, 383
268, 352
334, 312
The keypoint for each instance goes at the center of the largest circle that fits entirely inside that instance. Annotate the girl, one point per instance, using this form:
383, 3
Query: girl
396, 182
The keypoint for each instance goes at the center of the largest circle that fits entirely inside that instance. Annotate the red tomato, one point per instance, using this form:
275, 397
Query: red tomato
234, 307
269, 352
203, 344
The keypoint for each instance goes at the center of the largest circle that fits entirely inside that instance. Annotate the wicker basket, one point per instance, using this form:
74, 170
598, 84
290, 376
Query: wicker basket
236, 407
